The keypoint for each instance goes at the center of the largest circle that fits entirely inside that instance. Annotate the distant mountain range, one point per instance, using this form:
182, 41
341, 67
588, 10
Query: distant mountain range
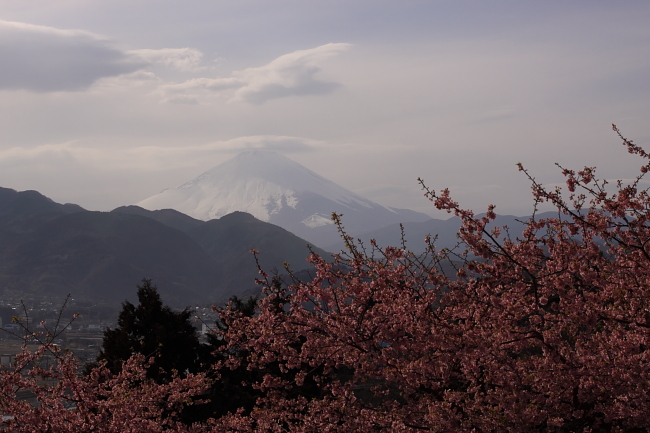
51, 249
194, 241
446, 230
275, 189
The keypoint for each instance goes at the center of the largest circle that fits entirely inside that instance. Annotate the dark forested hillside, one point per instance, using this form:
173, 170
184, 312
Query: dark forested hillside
49, 249
102, 256
229, 239
23, 212
169, 217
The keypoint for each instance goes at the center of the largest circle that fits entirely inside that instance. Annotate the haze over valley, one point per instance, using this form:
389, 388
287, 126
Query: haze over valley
194, 240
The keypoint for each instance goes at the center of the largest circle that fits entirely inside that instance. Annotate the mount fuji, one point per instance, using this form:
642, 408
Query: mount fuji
275, 189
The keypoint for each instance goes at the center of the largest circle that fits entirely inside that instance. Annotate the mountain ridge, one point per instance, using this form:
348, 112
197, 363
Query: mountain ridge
51, 250
276, 189
445, 230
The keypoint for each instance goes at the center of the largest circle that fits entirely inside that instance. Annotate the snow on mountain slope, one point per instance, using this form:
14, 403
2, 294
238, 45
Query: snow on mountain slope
258, 182
275, 189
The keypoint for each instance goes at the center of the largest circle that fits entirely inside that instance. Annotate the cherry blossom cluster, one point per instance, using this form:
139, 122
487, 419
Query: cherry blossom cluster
546, 331
99, 402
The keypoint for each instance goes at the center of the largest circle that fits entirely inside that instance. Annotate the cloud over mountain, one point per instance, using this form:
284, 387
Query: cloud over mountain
75, 163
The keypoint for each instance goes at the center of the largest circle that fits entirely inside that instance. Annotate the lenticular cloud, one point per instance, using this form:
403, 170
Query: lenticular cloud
292, 74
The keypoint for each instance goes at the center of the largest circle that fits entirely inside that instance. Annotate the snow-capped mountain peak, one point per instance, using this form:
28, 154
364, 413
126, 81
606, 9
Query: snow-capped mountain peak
275, 189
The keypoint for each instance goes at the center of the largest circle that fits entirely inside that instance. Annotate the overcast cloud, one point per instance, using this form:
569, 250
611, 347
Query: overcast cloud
46, 59
184, 59
104, 103
293, 74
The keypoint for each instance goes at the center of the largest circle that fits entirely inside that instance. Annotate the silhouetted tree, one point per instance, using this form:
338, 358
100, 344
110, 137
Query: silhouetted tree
155, 331
168, 337
230, 388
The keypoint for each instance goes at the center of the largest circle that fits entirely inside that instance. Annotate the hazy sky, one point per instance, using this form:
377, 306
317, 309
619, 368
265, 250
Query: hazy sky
105, 103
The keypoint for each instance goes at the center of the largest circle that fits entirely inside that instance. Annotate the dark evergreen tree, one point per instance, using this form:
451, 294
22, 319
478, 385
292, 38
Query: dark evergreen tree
153, 330
230, 389
234, 390
156, 331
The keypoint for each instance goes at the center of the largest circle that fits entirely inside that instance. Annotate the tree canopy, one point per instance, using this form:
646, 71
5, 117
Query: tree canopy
154, 331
